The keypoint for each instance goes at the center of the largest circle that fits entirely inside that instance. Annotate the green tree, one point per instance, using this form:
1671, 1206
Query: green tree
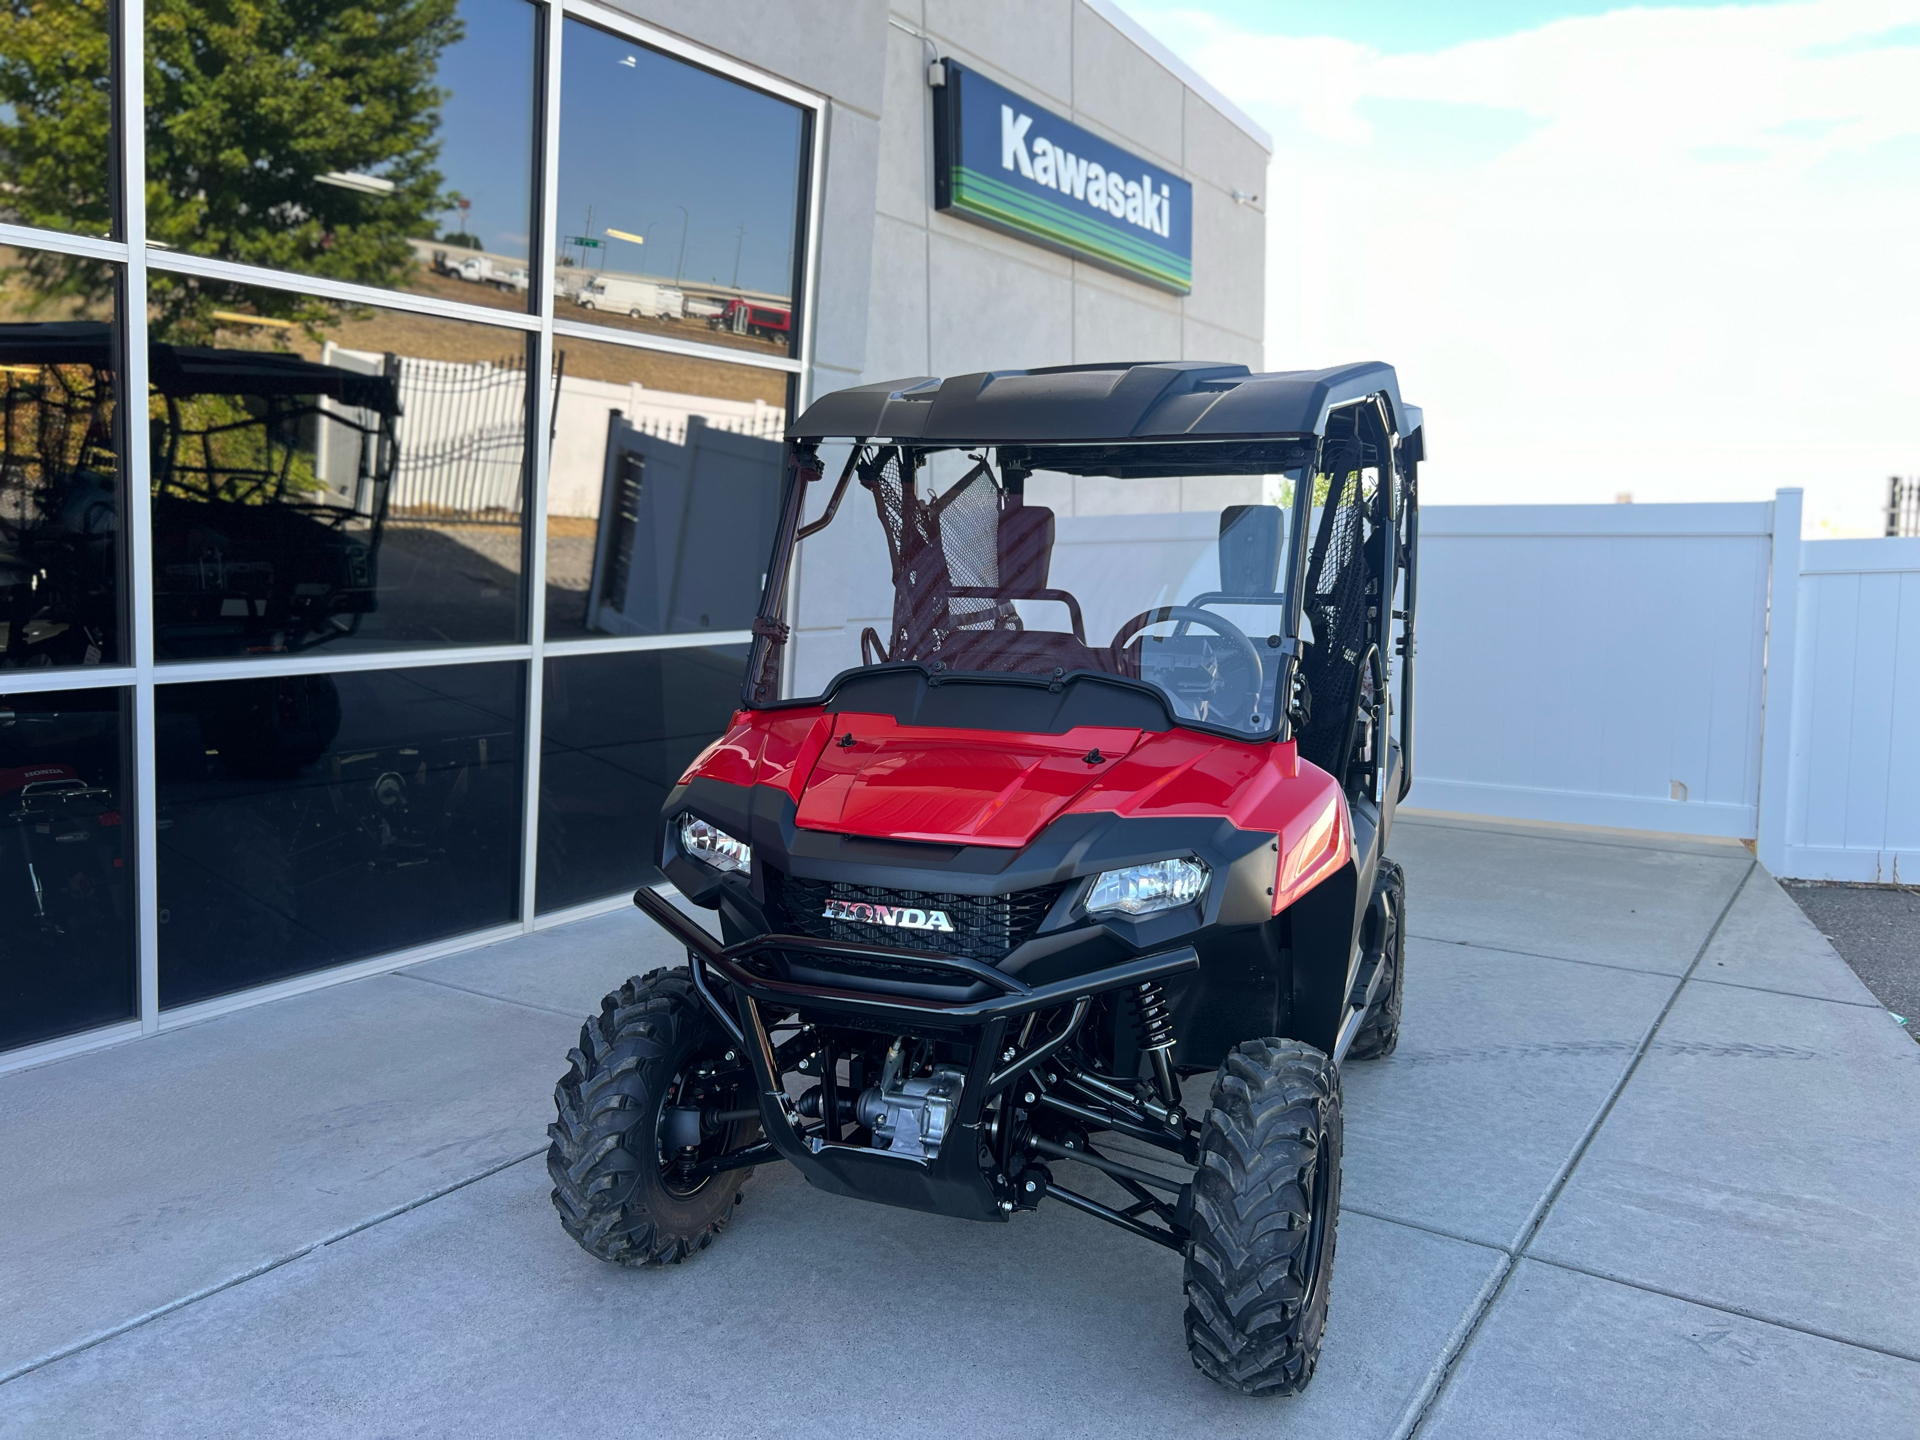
248, 103
56, 114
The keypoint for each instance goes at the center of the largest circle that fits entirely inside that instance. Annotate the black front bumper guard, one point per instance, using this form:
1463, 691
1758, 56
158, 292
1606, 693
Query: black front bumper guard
954, 1182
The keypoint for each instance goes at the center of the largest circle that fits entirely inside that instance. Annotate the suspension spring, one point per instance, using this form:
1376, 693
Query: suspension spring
1155, 1019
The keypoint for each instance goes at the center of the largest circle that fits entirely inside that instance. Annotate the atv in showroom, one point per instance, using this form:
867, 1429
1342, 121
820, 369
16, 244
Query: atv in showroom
1078, 709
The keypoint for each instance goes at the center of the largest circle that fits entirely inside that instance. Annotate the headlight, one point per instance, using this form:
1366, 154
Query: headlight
712, 845
1147, 889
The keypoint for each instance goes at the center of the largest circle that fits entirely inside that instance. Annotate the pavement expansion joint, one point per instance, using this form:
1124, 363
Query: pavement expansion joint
1758, 1317
1867, 1004
1537, 955
265, 1267
1422, 1406
487, 995
1347, 1207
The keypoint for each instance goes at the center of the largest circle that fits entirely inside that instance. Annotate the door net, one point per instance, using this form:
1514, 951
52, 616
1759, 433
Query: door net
1340, 584
938, 545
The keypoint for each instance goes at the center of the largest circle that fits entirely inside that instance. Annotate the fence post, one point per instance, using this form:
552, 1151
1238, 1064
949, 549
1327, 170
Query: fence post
1776, 716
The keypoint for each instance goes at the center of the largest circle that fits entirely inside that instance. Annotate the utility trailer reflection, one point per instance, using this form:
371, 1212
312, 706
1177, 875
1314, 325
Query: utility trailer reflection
686, 524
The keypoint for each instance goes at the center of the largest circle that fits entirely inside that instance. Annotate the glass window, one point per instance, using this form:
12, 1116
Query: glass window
663, 491
57, 141
388, 144
60, 461
616, 731
66, 869
331, 475
680, 197
1053, 561
308, 820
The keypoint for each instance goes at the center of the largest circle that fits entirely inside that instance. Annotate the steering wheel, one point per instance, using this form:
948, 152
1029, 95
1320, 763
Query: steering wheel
1235, 637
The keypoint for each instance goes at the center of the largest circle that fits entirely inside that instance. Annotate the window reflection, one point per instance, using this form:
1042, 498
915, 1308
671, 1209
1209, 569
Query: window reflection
309, 820
325, 475
57, 137
616, 731
387, 145
662, 493
679, 198
66, 879
60, 449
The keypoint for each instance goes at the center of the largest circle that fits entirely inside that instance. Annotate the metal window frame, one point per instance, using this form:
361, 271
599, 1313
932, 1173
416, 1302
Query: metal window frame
145, 673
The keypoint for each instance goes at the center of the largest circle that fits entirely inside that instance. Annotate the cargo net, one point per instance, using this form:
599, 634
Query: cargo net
938, 545
1340, 584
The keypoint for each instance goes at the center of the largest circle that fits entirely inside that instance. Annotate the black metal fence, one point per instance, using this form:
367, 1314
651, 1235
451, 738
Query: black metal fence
462, 441
462, 438
1903, 506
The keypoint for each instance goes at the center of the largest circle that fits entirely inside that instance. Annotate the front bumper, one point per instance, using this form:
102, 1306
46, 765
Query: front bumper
954, 1182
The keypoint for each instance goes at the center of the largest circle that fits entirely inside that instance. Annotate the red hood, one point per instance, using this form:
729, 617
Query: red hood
961, 787
989, 787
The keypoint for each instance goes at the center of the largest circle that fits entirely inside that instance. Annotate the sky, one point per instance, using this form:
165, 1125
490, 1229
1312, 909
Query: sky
487, 122
1671, 251
656, 148
648, 146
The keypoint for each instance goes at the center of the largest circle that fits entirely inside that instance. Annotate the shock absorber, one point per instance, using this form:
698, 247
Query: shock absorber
1156, 1037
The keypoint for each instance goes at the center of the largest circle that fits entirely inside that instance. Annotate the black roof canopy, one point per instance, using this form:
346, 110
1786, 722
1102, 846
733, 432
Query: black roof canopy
197, 369
1090, 404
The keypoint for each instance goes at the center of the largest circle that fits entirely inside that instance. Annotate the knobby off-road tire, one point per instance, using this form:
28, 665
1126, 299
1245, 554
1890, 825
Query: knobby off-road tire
1266, 1208
605, 1157
1379, 1033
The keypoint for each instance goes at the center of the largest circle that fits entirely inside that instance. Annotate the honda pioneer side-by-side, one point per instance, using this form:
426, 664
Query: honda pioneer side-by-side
1077, 713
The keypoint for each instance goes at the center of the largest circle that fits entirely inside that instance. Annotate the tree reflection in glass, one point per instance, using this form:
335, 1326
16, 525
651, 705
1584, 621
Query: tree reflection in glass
56, 117
379, 142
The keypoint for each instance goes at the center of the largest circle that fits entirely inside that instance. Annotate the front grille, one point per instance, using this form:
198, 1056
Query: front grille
985, 927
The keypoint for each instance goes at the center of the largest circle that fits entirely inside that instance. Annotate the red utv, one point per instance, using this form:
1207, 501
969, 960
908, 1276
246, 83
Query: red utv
1069, 753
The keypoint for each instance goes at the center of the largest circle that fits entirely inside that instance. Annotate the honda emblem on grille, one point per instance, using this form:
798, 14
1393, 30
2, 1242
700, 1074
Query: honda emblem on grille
899, 916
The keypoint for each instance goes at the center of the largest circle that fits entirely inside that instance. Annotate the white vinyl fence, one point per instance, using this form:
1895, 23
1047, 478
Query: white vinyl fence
1852, 808
1597, 664
1693, 669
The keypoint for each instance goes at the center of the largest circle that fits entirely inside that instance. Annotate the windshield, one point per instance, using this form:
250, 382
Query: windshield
1019, 562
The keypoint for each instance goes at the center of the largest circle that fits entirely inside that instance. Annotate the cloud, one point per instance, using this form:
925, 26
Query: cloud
1660, 250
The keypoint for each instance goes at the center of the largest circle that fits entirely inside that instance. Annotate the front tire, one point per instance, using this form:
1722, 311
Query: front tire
1266, 1210
620, 1194
1379, 1032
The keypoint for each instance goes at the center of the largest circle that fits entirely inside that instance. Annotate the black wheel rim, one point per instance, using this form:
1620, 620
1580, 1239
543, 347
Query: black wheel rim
686, 1089
1320, 1193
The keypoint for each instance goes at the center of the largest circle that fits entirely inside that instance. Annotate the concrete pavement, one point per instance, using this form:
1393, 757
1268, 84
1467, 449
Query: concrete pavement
1644, 1162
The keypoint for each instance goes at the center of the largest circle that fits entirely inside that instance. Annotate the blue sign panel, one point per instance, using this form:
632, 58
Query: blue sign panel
1003, 161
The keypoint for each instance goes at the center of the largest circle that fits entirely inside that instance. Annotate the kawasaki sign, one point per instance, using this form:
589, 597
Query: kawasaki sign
1003, 161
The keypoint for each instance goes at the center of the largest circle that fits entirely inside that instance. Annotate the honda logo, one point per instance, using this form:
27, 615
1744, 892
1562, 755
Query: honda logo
899, 916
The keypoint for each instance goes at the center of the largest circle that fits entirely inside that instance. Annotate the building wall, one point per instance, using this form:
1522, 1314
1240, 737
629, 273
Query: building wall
905, 290
545, 639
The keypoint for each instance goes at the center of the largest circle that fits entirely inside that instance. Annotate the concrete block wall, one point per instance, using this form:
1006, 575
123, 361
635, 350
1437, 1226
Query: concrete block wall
995, 302
904, 290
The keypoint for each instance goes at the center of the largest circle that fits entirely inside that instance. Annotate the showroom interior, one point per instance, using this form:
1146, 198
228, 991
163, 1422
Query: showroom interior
468, 339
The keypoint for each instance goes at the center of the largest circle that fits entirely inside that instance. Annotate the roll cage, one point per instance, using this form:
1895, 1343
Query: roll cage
1352, 521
